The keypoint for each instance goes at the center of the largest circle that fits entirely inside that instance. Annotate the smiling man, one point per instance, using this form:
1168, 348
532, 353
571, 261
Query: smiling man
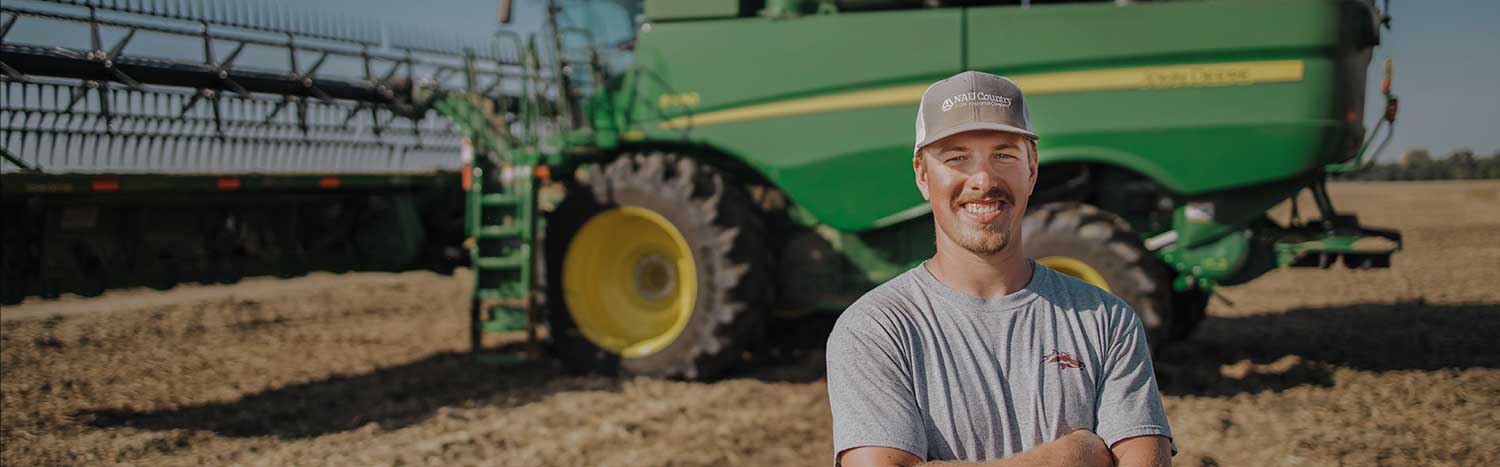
979, 354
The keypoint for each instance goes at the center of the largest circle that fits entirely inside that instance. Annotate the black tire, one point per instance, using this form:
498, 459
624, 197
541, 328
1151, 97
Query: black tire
1106, 243
722, 228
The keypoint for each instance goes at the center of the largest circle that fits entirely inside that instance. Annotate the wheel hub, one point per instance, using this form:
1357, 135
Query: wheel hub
655, 277
629, 281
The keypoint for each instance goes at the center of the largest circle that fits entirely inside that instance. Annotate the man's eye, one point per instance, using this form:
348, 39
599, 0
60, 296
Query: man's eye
957, 159
1004, 156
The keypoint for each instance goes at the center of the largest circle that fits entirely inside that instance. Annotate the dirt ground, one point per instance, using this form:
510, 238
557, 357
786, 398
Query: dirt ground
1307, 367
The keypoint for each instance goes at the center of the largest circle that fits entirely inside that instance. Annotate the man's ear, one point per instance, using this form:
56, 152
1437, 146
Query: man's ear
921, 174
1034, 157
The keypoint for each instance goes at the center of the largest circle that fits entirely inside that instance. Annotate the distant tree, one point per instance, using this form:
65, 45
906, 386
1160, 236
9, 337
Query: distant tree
1418, 164
1490, 168
1462, 165
1415, 158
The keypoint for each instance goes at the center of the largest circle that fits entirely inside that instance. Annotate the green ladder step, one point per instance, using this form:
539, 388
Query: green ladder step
505, 320
512, 261
500, 199
500, 294
501, 231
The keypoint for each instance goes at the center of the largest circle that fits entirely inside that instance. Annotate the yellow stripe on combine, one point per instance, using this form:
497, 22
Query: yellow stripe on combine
1147, 77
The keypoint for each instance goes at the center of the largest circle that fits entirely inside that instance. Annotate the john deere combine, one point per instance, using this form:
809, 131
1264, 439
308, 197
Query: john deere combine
752, 160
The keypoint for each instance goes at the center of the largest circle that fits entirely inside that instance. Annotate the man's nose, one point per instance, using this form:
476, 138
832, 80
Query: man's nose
984, 179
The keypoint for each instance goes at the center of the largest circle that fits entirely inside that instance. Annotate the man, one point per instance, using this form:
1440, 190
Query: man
980, 354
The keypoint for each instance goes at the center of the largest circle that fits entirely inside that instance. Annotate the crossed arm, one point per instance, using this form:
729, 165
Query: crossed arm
1079, 448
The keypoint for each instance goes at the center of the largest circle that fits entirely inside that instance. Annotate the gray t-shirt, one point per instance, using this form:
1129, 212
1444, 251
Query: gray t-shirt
919, 366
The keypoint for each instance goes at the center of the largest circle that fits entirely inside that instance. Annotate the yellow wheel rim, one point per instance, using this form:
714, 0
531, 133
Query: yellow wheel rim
629, 281
1076, 268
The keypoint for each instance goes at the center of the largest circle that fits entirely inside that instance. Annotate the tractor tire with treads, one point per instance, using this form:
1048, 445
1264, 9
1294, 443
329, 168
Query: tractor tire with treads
656, 266
1100, 248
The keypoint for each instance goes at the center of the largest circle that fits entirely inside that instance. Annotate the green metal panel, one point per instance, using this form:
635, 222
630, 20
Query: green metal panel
717, 65
737, 62
667, 10
1199, 96
1199, 137
1087, 34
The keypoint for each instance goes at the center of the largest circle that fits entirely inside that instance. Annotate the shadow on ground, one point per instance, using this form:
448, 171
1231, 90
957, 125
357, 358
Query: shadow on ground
1226, 356
1234, 355
792, 352
391, 397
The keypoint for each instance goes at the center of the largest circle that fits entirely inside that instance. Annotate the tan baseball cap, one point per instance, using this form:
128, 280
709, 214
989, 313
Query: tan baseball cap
971, 100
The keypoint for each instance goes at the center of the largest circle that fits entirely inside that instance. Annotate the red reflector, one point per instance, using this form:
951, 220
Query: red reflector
229, 184
106, 185
329, 182
466, 177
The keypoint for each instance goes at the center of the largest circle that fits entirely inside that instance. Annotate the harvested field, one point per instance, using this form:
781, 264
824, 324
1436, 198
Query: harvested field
1308, 367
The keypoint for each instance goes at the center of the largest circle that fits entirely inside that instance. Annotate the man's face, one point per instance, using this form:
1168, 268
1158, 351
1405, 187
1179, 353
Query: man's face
978, 183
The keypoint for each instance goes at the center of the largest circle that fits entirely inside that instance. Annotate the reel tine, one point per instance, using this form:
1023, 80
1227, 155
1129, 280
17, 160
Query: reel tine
124, 78
234, 86
114, 52
218, 117
192, 101
312, 70
5, 28
78, 94
94, 40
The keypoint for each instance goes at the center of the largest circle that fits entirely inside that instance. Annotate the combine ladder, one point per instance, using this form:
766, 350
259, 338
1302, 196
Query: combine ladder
500, 223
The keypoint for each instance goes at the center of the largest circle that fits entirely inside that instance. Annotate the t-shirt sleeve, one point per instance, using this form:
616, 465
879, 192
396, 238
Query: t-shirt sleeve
870, 388
1129, 402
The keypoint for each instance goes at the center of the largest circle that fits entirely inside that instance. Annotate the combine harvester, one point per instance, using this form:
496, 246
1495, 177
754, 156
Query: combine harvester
753, 160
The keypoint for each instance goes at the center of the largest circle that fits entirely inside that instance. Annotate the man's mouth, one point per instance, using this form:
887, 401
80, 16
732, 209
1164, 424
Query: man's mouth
983, 210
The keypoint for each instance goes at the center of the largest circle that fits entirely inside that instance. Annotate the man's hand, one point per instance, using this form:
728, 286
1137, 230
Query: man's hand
1080, 448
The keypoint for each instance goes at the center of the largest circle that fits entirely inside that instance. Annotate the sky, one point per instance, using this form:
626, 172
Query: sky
1446, 54
1447, 75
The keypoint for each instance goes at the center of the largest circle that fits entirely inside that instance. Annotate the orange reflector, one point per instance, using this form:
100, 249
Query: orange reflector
229, 184
329, 182
106, 185
466, 176
543, 173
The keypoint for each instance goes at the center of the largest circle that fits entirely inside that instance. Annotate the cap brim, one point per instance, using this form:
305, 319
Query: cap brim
971, 126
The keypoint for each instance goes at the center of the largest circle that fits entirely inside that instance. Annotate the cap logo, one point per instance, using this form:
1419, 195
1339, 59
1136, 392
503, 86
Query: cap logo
976, 98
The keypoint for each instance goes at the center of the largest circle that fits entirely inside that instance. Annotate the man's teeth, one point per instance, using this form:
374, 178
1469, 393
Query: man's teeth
981, 208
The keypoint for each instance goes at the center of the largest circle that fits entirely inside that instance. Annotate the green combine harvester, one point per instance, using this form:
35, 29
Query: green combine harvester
657, 199
754, 162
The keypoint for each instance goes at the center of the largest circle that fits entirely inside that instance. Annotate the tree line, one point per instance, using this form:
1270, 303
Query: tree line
1418, 164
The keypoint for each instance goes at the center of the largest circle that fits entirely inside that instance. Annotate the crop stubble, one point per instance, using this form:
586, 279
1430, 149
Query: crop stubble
1308, 367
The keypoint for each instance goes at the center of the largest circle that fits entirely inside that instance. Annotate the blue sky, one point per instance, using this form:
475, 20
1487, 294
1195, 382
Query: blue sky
1446, 52
1447, 57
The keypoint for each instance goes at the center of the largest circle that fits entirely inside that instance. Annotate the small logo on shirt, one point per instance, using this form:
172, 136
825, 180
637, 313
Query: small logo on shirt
1062, 360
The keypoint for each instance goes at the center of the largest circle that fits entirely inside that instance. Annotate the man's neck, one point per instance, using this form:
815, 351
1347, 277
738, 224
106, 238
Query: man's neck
985, 276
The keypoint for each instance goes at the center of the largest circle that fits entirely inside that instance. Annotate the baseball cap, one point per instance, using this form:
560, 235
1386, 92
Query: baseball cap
971, 100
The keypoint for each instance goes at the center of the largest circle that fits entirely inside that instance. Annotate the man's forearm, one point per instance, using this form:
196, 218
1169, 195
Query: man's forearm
1079, 448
